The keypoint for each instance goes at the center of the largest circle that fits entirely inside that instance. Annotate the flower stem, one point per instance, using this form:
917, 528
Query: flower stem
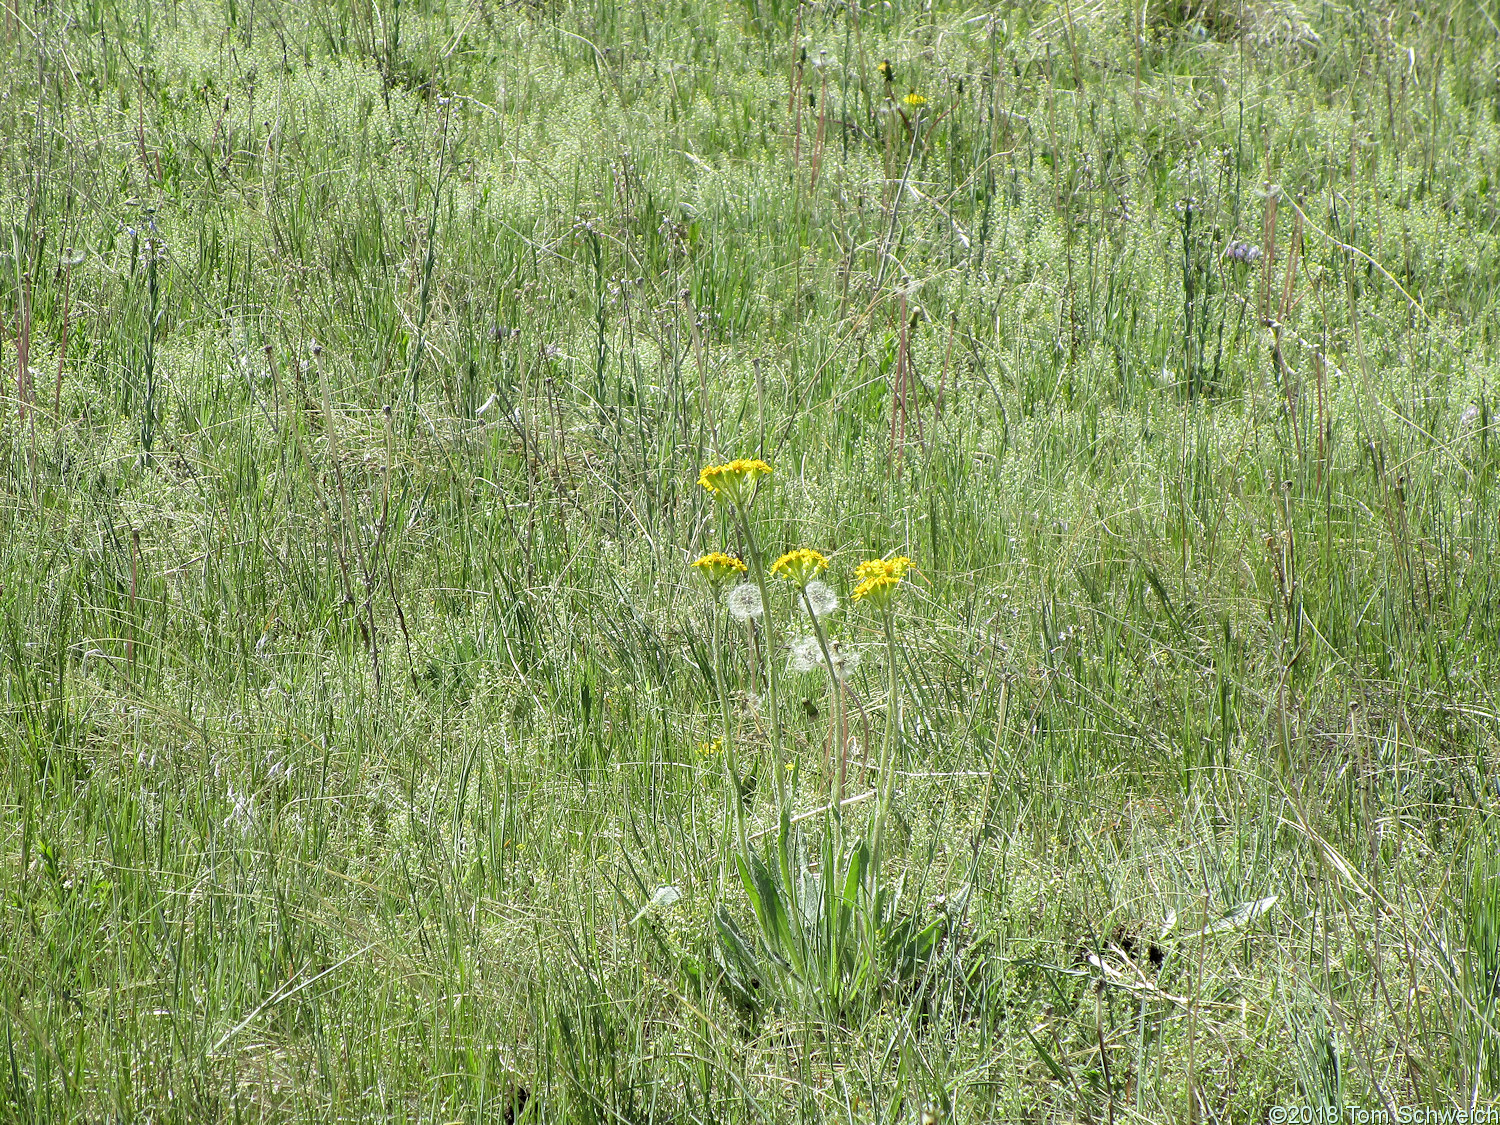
838, 706
887, 779
758, 571
731, 759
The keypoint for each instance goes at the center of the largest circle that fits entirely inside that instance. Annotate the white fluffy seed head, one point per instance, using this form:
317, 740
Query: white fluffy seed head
844, 661
806, 655
821, 598
744, 602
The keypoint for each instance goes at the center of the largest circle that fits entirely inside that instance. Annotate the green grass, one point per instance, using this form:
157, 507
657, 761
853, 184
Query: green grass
354, 676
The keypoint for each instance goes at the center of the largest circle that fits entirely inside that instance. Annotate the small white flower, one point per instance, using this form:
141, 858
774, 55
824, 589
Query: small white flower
821, 598
806, 655
744, 602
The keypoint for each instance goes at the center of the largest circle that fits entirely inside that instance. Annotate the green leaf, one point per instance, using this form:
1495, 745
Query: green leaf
1057, 1071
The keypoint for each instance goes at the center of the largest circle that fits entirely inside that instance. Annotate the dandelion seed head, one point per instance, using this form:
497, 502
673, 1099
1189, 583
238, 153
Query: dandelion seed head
844, 661
744, 602
821, 598
806, 655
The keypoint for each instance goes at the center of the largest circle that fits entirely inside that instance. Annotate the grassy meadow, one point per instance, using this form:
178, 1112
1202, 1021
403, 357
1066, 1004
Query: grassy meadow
371, 750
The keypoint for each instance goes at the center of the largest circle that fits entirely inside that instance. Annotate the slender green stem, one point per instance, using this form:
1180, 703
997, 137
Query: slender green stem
778, 757
887, 778
838, 705
731, 759
758, 572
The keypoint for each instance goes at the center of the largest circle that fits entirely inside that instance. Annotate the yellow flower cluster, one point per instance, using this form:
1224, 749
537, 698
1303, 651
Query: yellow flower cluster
799, 567
883, 568
716, 566
915, 101
729, 481
879, 579
879, 590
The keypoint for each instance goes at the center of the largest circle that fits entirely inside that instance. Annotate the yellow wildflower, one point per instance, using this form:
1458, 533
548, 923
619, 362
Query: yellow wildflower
879, 589
709, 749
915, 100
717, 566
879, 579
731, 481
883, 568
799, 567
